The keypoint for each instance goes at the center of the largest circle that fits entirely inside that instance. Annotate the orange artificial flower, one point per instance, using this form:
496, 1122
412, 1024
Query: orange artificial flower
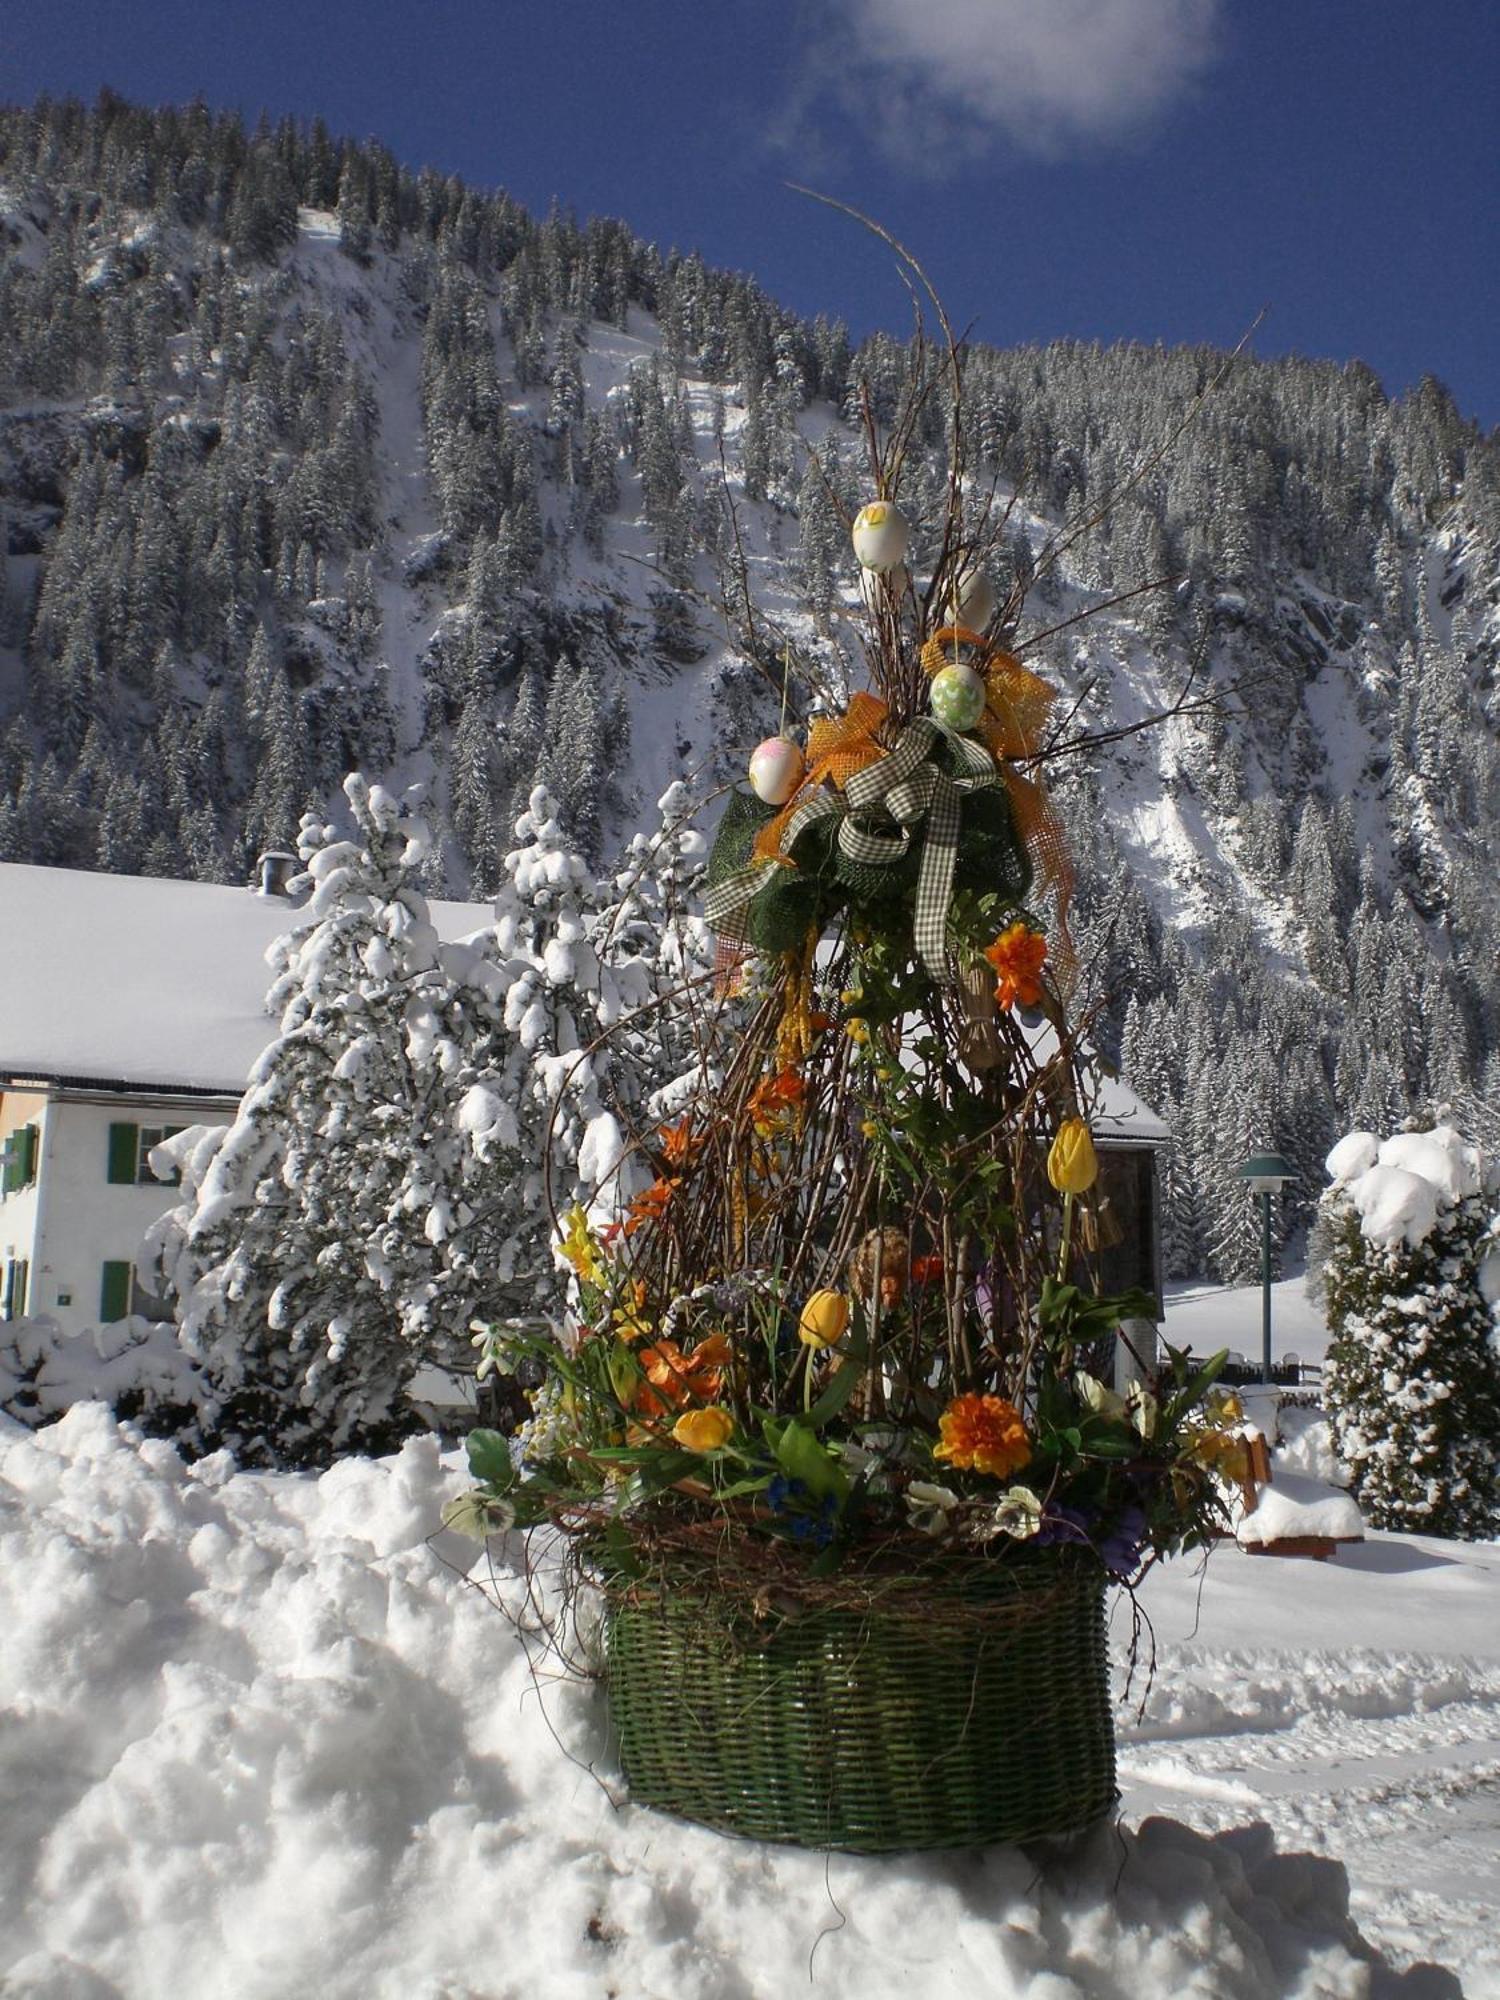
678, 1142
773, 1097
650, 1205
1017, 956
927, 1270
672, 1377
983, 1434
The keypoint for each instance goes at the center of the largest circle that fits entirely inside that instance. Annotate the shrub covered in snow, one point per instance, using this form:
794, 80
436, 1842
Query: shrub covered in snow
132, 1364
1411, 1285
383, 1181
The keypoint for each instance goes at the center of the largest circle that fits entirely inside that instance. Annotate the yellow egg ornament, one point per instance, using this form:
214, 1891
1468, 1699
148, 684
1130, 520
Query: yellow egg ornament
777, 768
881, 535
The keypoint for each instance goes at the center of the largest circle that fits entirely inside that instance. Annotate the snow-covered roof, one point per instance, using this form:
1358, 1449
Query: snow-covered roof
136, 980
1120, 1115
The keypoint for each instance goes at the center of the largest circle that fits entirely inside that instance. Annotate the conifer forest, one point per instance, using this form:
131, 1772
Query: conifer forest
310, 463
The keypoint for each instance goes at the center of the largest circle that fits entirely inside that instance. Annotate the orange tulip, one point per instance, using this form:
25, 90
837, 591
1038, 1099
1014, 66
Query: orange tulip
703, 1430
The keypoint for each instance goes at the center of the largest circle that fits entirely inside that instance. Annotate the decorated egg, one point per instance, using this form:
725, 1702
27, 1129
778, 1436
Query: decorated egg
957, 697
880, 534
776, 770
876, 586
972, 602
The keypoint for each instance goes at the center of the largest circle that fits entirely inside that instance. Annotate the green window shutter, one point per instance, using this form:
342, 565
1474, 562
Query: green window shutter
124, 1151
23, 1285
30, 1146
114, 1291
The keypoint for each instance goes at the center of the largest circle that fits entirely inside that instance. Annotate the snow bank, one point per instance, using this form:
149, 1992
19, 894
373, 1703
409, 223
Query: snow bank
1295, 1506
260, 1742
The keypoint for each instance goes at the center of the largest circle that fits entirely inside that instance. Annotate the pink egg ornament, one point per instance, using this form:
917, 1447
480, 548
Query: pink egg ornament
777, 767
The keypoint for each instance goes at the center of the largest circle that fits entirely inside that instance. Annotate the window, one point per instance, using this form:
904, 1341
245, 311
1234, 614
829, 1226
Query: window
130, 1155
152, 1135
19, 1156
121, 1292
146, 1304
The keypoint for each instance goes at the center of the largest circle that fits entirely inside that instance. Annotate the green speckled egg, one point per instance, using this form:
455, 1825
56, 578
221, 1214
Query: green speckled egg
957, 697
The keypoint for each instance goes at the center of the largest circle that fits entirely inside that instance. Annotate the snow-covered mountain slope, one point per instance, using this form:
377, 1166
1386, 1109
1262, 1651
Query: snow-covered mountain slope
306, 462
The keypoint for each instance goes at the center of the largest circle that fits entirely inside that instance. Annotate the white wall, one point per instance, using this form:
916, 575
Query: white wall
80, 1219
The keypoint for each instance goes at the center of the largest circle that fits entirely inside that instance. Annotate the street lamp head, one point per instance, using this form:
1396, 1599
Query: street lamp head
1265, 1173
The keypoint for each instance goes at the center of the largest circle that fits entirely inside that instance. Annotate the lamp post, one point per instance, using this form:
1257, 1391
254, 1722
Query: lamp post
1265, 1174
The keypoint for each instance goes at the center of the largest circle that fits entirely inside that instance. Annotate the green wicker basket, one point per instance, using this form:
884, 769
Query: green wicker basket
951, 1719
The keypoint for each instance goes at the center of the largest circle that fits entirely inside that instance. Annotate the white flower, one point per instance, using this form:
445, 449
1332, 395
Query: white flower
930, 1507
1143, 1410
1017, 1514
1093, 1394
477, 1515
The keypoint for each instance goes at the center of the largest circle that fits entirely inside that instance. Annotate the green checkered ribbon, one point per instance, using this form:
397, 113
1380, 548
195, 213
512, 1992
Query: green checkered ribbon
726, 903
909, 792
916, 792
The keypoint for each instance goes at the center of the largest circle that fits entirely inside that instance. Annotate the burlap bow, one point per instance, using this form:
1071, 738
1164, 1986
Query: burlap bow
1018, 704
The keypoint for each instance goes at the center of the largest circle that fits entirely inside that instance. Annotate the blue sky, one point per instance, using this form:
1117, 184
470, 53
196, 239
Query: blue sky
1098, 169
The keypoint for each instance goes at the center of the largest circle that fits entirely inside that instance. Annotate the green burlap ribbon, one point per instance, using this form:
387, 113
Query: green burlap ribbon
885, 808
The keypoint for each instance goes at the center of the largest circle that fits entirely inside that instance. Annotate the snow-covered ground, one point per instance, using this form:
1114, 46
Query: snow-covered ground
261, 1741
1204, 1317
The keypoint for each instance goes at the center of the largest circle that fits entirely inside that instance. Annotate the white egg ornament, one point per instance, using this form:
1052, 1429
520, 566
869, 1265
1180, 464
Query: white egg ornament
881, 534
777, 768
876, 586
957, 697
972, 602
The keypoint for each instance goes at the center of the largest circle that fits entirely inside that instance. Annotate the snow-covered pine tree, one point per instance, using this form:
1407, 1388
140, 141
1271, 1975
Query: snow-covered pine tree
347, 1225
1411, 1284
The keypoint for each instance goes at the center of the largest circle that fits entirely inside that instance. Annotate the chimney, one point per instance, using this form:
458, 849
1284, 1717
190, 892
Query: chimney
273, 871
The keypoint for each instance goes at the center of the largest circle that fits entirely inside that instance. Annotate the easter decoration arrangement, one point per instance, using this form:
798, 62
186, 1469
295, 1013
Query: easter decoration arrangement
832, 1420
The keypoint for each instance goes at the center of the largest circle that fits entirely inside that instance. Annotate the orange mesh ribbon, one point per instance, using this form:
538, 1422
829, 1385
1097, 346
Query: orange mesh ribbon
1017, 706
837, 747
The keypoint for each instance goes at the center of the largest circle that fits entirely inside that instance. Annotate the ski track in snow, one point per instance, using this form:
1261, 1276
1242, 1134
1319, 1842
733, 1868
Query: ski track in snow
1387, 1763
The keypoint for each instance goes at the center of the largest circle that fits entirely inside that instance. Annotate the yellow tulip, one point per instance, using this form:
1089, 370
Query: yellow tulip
1072, 1164
824, 1318
703, 1430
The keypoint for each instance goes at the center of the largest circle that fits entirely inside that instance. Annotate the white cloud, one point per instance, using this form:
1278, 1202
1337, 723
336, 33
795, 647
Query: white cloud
929, 75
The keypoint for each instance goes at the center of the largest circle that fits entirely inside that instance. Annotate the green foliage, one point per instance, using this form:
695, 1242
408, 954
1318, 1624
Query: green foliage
1412, 1379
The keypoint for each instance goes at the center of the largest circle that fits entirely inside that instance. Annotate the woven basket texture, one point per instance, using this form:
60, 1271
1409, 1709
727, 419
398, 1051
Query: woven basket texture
876, 1731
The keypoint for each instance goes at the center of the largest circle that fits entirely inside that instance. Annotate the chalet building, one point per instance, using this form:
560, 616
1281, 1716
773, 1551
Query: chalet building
129, 1008
132, 1006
